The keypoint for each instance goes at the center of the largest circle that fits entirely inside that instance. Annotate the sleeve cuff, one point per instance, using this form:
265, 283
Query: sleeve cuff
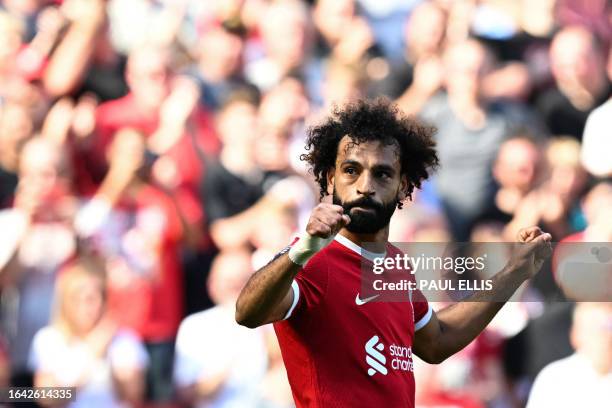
424, 320
296, 298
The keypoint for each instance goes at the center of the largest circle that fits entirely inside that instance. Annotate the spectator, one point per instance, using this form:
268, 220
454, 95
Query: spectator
219, 65
218, 362
554, 203
596, 148
517, 170
578, 67
82, 348
137, 229
470, 131
234, 182
590, 365
84, 60
424, 38
286, 36
16, 128
37, 240
580, 270
164, 111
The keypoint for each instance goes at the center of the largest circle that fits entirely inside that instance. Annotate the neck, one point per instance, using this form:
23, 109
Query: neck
377, 241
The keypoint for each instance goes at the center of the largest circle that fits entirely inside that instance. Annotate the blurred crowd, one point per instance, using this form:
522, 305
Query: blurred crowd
149, 163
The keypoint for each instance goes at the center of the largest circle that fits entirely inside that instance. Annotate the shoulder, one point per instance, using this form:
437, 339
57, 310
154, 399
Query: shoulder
197, 319
48, 346
47, 337
196, 324
552, 371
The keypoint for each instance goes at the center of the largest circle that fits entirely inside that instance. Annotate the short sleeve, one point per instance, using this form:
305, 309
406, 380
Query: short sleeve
127, 352
422, 309
45, 350
309, 286
542, 392
187, 368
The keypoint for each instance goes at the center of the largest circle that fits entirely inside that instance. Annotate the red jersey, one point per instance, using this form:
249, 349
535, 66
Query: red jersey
341, 350
141, 239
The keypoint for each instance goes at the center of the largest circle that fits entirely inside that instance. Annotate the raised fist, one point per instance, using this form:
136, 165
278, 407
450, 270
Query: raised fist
326, 220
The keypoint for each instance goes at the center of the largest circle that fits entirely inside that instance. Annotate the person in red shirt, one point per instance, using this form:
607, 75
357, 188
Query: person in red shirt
138, 229
164, 107
340, 348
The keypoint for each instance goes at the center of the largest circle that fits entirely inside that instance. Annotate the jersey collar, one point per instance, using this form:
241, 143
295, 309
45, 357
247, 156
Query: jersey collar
344, 241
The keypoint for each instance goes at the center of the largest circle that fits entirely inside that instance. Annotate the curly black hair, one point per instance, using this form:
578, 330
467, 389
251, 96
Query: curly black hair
372, 120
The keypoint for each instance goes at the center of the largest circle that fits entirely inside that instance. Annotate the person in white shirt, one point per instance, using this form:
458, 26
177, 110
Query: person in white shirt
219, 363
82, 348
583, 379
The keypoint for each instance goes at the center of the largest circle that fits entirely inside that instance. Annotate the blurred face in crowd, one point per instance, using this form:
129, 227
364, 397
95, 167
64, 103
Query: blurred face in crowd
466, 64
367, 183
574, 58
220, 54
285, 104
284, 29
425, 30
148, 77
332, 17
237, 124
591, 334
597, 207
228, 274
82, 301
41, 170
567, 176
516, 164
272, 148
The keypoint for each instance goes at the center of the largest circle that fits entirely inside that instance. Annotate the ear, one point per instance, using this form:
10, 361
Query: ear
330, 180
401, 194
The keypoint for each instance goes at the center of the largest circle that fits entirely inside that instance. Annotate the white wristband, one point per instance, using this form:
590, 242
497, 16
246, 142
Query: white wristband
306, 247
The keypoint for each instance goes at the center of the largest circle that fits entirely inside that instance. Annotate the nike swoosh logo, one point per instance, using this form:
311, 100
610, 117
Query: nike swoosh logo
360, 302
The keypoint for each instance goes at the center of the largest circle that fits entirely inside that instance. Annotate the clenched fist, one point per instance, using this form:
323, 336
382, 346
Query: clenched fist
533, 247
326, 220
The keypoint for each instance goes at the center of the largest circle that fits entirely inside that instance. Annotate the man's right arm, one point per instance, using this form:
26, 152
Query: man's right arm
268, 296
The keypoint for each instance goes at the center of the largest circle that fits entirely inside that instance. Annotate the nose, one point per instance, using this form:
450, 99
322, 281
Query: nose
366, 184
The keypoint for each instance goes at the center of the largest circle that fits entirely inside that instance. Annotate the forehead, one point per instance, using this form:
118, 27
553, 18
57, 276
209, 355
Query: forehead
368, 153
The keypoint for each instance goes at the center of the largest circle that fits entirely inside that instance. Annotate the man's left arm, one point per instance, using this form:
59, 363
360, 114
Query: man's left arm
455, 326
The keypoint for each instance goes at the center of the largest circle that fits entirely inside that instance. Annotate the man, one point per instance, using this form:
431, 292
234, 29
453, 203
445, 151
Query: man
204, 376
370, 159
590, 367
577, 63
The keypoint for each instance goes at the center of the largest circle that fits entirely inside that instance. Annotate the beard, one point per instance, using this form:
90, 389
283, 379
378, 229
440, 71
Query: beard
366, 222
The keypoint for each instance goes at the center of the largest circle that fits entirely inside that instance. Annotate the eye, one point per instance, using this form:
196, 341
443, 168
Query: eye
350, 170
383, 174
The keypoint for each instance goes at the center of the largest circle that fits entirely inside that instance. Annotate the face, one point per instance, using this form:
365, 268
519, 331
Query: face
466, 65
84, 303
39, 169
229, 272
284, 33
516, 164
367, 183
425, 30
148, 77
221, 51
573, 58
